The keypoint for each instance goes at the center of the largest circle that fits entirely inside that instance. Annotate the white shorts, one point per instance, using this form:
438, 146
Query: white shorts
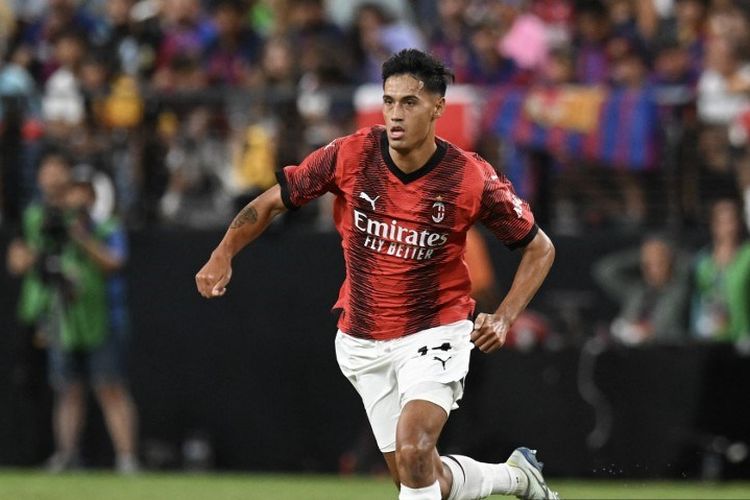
429, 365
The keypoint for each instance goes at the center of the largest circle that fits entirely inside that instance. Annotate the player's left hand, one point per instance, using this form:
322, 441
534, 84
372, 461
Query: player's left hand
489, 332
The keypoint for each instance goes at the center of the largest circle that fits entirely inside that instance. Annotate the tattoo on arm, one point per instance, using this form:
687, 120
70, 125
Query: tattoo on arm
246, 215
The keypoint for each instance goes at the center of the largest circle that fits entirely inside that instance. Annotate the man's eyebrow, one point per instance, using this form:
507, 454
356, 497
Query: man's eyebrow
412, 96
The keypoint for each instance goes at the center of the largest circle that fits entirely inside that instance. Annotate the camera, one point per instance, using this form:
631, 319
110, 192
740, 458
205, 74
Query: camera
54, 232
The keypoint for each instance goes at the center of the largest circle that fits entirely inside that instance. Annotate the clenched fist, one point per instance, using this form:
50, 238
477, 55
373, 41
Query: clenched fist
489, 332
214, 276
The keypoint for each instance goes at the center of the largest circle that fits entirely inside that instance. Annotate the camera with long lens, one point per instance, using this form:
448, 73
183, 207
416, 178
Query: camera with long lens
54, 233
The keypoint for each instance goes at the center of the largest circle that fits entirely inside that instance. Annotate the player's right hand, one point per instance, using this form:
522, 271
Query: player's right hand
214, 276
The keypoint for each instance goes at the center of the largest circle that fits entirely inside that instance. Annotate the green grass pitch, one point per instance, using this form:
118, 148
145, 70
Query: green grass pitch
29, 485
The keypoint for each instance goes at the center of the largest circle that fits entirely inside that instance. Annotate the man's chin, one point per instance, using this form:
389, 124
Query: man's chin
398, 145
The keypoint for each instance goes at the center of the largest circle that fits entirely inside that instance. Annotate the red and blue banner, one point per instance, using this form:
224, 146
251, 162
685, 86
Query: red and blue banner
616, 128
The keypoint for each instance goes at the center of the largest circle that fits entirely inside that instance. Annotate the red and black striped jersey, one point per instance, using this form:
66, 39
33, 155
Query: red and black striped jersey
404, 235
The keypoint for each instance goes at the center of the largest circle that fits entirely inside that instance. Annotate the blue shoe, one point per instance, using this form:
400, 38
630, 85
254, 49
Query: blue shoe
523, 460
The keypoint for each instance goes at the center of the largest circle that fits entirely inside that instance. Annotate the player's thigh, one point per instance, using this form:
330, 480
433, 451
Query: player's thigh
433, 365
370, 370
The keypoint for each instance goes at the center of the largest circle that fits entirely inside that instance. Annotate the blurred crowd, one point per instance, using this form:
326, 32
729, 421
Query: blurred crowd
189, 106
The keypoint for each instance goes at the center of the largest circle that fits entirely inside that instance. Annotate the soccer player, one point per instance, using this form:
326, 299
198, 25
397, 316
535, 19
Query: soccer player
404, 200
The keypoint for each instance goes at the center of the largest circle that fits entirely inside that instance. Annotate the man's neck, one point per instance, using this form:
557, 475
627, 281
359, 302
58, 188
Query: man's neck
415, 159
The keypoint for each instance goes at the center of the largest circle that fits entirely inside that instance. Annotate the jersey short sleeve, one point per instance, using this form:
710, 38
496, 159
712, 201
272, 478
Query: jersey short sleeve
505, 214
310, 179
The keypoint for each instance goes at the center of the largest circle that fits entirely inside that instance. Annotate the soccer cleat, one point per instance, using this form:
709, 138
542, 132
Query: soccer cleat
524, 461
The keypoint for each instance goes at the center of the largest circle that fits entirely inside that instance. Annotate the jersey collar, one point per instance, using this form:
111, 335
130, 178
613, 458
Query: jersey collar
425, 169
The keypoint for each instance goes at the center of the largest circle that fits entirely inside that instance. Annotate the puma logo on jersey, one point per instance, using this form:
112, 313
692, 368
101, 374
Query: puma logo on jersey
369, 200
517, 206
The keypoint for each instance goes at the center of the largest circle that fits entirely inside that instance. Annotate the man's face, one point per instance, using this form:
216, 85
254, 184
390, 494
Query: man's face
53, 179
409, 111
725, 221
656, 263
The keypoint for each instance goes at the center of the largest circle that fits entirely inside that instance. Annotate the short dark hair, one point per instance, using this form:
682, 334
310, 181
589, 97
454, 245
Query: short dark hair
427, 68
57, 155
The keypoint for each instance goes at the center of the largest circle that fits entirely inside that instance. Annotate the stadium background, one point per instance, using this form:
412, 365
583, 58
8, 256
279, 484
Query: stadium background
189, 118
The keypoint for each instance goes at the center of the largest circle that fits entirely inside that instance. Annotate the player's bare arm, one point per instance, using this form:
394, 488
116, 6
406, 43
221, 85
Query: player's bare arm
490, 329
247, 225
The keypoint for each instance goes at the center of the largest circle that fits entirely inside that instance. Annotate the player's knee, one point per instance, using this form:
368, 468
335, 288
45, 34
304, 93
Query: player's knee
415, 459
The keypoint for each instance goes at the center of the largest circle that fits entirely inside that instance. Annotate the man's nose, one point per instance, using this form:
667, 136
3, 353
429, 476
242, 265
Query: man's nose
398, 113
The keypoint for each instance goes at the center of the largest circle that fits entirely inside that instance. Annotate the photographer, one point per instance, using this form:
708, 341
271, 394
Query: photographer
74, 296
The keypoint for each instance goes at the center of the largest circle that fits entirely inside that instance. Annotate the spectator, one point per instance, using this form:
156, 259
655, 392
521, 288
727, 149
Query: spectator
723, 85
377, 37
131, 45
557, 16
730, 20
651, 286
591, 33
559, 69
308, 26
343, 12
450, 40
281, 76
486, 64
186, 34
73, 293
232, 57
722, 95
61, 16
721, 299
27, 255
672, 65
524, 38
198, 160
278, 63
628, 67
63, 104
687, 27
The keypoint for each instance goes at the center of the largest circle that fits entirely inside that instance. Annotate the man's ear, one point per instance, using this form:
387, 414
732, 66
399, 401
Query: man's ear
439, 108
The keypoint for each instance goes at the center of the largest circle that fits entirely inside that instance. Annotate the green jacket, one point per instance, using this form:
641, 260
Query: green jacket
83, 322
723, 294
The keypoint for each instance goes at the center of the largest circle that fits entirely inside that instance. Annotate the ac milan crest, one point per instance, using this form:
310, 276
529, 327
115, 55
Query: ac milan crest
438, 211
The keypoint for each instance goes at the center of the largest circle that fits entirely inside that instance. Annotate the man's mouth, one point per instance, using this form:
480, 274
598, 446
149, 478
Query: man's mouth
397, 132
